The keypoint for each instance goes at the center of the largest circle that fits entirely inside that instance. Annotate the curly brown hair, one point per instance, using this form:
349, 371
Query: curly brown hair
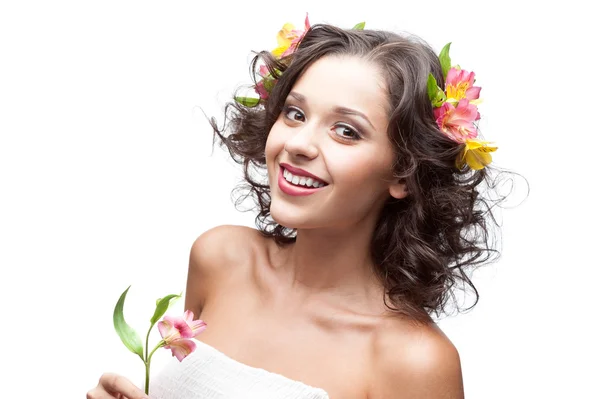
425, 245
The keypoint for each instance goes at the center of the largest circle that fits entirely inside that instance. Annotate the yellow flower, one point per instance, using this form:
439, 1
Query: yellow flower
284, 39
288, 38
476, 154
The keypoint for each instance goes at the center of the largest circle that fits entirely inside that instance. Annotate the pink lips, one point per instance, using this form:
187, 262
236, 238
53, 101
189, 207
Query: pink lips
291, 189
301, 172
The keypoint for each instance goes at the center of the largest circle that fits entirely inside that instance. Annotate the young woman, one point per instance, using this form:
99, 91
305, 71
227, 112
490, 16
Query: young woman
370, 211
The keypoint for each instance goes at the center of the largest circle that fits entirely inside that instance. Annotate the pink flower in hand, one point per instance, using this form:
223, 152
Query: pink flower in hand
457, 122
177, 331
459, 85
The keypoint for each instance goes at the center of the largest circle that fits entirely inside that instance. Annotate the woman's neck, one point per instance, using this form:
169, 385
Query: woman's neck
332, 261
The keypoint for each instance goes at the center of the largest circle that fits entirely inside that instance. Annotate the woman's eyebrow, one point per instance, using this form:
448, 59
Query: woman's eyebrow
338, 110
350, 111
299, 97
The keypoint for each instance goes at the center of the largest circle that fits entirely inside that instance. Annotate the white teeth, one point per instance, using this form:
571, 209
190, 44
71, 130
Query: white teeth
301, 180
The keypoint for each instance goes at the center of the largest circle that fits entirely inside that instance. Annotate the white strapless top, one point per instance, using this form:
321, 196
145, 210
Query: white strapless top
210, 374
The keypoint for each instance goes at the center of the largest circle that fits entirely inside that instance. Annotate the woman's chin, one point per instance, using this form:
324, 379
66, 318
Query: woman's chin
287, 220
290, 218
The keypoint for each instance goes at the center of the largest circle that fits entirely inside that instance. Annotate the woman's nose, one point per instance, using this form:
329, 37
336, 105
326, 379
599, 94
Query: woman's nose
303, 142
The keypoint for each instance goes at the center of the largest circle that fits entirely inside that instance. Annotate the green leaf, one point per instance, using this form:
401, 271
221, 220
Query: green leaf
439, 99
128, 335
359, 26
269, 83
247, 101
161, 307
436, 95
432, 87
445, 59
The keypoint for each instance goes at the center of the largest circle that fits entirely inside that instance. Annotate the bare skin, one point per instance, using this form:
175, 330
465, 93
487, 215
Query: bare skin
241, 284
114, 386
313, 311
349, 345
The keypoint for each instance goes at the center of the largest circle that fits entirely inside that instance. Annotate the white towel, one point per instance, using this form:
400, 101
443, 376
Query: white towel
210, 374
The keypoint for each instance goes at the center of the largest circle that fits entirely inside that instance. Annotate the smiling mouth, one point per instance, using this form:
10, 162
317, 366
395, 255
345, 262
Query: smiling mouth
301, 181
297, 185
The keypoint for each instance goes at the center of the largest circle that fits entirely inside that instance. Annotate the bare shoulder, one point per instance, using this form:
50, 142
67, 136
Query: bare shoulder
223, 244
415, 361
215, 255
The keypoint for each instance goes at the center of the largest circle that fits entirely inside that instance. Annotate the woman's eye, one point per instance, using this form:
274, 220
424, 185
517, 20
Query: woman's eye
294, 114
346, 132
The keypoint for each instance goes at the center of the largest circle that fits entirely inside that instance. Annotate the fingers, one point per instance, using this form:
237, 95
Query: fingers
114, 386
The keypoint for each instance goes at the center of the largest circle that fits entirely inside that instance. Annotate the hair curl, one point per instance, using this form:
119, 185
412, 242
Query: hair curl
425, 244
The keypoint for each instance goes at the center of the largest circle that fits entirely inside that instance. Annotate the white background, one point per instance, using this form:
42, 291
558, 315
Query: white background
107, 176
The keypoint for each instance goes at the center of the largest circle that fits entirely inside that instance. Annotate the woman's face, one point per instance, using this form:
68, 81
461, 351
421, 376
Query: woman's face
332, 134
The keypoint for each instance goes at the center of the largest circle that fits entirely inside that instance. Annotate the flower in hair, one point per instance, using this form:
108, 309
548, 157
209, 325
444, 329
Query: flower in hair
456, 113
457, 121
263, 87
288, 39
476, 154
459, 85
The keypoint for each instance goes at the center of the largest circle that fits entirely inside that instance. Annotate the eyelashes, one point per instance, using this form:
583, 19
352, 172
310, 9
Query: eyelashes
347, 132
296, 114
340, 129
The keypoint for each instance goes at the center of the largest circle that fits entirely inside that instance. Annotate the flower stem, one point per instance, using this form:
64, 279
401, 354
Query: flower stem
147, 338
147, 384
147, 362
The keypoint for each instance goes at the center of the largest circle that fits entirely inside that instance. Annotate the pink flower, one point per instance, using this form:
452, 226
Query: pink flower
263, 71
260, 88
177, 331
261, 91
459, 85
457, 122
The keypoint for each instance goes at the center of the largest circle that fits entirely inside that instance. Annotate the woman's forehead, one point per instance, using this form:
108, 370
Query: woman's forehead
345, 81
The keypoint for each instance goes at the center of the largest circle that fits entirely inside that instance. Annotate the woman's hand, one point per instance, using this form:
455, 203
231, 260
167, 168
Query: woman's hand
114, 386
